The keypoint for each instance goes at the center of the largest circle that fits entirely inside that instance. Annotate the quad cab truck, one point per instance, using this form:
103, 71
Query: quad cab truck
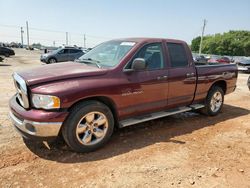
117, 84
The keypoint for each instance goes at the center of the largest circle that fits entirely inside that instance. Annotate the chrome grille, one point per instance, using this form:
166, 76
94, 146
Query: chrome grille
21, 88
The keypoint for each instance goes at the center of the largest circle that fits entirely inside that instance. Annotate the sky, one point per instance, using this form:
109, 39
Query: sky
104, 20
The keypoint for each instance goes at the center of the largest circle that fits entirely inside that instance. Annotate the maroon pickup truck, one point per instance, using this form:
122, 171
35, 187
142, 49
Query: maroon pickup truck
117, 84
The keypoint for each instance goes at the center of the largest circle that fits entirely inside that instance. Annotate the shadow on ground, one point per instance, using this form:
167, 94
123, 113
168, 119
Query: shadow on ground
139, 136
4, 65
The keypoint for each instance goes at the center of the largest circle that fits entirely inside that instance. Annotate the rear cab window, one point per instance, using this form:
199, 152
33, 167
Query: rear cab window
177, 54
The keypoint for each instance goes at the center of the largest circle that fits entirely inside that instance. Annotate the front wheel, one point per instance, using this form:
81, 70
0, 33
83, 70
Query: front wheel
214, 101
89, 126
52, 60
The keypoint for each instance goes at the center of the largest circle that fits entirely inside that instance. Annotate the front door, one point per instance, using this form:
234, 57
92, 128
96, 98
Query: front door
63, 55
146, 90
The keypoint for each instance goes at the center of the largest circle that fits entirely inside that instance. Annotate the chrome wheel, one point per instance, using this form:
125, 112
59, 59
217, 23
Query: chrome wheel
92, 128
216, 101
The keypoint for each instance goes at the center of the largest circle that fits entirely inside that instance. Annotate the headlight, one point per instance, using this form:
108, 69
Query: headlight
45, 101
44, 55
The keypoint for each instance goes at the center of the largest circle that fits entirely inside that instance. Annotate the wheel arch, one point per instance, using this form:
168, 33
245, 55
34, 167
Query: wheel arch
52, 57
220, 83
103, 99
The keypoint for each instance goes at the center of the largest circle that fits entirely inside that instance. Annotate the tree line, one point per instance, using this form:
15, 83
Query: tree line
233, 43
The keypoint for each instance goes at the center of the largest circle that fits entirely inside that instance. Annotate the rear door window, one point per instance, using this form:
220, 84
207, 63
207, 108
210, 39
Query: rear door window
178, 56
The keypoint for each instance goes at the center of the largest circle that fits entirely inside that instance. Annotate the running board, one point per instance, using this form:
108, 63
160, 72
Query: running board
196, 106
156, 115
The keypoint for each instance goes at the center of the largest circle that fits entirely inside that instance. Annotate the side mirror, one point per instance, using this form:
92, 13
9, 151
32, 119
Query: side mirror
138, 64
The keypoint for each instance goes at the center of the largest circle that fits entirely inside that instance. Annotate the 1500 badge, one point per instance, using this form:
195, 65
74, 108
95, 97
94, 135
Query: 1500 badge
128, 92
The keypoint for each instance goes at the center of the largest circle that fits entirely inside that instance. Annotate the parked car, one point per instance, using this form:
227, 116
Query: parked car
29, 48
219, 60
16, 45
200, 59
117, 84
6, 51
62, 55
244, 65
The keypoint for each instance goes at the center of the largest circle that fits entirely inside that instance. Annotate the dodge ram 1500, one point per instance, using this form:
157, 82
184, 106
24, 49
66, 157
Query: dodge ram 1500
118, 83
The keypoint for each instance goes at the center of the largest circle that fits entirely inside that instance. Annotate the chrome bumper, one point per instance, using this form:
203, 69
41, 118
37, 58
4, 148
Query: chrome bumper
243, 68
39, 129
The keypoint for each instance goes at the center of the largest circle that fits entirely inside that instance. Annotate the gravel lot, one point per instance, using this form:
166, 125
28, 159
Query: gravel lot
185, 150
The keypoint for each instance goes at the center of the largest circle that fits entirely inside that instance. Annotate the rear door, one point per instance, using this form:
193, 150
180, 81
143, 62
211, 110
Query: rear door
147, 89
74, 54
182, 75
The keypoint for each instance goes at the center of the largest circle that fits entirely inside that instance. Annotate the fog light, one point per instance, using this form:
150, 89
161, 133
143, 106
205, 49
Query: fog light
30, 127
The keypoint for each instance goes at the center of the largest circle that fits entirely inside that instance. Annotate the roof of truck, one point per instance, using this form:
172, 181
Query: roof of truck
140, 39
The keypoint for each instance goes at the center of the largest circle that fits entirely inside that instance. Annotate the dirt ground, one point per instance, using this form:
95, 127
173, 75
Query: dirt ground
185, 150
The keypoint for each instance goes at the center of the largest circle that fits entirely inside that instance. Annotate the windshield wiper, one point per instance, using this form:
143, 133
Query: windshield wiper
89, 60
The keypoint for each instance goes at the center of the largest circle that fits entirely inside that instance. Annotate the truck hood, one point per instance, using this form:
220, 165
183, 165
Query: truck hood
59, 71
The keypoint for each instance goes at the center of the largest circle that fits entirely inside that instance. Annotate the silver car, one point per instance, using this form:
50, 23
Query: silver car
61, 55
244, 65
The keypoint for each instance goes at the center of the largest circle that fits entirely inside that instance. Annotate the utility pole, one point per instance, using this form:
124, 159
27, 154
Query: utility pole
22, 35
67, 38
54, 43
203, 29
28, 39
84, 41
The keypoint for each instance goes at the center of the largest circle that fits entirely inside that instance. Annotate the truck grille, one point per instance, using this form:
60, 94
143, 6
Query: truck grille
22, 93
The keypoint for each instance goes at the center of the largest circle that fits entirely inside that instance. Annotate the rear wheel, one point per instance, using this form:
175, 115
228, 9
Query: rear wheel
214, 101
89, 126
7, 55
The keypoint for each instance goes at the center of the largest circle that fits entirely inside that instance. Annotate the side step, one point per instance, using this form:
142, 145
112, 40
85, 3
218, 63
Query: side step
156, 115
196, 106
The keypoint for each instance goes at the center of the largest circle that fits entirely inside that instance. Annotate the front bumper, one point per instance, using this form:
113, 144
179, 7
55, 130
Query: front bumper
42, 130
35, 124
44, 59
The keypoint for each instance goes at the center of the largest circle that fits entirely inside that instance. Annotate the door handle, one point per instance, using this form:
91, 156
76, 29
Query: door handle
162, 77
189, 74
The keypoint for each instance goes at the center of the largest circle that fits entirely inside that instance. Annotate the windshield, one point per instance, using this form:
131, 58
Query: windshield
109, 53
246, 61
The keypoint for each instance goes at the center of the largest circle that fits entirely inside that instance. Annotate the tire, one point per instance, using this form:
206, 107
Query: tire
52, 60
88, 127
7, 55
214, 101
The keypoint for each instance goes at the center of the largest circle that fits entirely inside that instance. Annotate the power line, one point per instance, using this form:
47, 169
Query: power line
46, 30
11, 26
70, 37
